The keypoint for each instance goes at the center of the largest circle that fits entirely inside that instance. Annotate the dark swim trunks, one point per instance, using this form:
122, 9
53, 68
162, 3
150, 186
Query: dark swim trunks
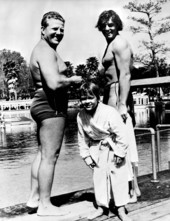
49, 105
107, 92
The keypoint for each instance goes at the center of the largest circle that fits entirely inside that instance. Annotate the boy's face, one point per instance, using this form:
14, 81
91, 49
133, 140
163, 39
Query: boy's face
89, 102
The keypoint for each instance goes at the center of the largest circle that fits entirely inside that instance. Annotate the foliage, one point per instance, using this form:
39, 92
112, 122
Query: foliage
81, 71
144, 72
89, 72
72, 91
92, 65
151, 23
70, 67
13, 65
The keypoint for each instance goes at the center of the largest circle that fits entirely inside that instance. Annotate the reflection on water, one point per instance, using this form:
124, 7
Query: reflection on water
18, 147
149, 117
19, 142
142, 117
15, 148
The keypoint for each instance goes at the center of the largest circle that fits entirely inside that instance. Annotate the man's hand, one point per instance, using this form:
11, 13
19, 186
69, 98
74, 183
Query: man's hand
123, 111
118, 160
76, 79
89, 161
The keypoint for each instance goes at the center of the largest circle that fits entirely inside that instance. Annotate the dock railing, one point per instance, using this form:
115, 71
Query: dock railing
158, 126
153, 150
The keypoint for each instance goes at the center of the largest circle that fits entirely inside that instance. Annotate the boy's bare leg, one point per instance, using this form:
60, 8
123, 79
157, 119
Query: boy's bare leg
122, 214
99, 212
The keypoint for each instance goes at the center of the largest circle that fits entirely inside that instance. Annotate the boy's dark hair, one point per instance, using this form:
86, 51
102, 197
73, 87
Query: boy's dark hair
105, 16
89, 88
49, 15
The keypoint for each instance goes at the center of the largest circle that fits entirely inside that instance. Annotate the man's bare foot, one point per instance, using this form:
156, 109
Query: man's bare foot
51, 210
32, 206
122, 214
97, 213
32, 203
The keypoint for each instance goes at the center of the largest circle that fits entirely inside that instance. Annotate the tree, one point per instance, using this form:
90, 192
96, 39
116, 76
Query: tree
81, 71
72, 91
25, 82
11, 70
70, 68
92, 65
152, 24
14, 74
90, 72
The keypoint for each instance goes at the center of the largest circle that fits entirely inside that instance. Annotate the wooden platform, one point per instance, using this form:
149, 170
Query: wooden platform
154, 204
153, 82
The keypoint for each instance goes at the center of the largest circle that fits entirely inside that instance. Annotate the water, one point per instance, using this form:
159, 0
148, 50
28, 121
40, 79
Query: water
148, 117
18, 147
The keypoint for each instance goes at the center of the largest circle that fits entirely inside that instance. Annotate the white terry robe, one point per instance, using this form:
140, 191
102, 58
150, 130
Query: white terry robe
110, 181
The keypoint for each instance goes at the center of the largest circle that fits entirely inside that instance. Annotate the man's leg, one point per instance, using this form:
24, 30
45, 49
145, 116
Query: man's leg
51, 137
34, 195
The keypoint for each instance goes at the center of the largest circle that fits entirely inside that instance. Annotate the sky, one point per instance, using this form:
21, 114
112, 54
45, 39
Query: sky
20, 26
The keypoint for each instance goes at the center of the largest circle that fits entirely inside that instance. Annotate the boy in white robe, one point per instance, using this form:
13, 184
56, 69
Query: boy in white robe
103, 146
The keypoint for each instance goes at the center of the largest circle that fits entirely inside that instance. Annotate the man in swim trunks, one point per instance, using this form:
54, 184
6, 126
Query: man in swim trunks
49, 109
117, 62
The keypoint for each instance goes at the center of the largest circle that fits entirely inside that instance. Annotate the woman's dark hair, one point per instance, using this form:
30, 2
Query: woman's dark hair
105, 16
49, 15
89, 88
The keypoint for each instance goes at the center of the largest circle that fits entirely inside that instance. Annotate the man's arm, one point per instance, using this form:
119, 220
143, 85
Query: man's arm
118, 139
123, 56
48, 64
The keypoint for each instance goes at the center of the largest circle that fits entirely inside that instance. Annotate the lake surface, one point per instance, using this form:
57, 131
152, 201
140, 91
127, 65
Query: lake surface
18, 147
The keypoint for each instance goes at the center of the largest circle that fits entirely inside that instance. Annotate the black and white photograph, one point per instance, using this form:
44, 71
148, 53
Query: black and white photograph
84, 110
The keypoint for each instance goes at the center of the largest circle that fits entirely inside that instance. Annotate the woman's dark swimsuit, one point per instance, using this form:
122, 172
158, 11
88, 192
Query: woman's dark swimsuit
49, 104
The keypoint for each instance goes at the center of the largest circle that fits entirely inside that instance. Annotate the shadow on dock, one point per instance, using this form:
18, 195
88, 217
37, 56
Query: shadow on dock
152, 192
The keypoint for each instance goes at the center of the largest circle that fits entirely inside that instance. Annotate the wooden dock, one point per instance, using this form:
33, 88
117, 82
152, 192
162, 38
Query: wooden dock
151, 82
153, 205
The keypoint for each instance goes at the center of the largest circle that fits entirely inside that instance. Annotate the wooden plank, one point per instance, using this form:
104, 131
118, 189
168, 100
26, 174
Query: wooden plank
156, 211
154, 82
101, 218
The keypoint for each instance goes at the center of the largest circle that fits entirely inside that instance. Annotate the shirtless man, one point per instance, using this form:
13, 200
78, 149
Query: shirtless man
117, 62
49, 109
